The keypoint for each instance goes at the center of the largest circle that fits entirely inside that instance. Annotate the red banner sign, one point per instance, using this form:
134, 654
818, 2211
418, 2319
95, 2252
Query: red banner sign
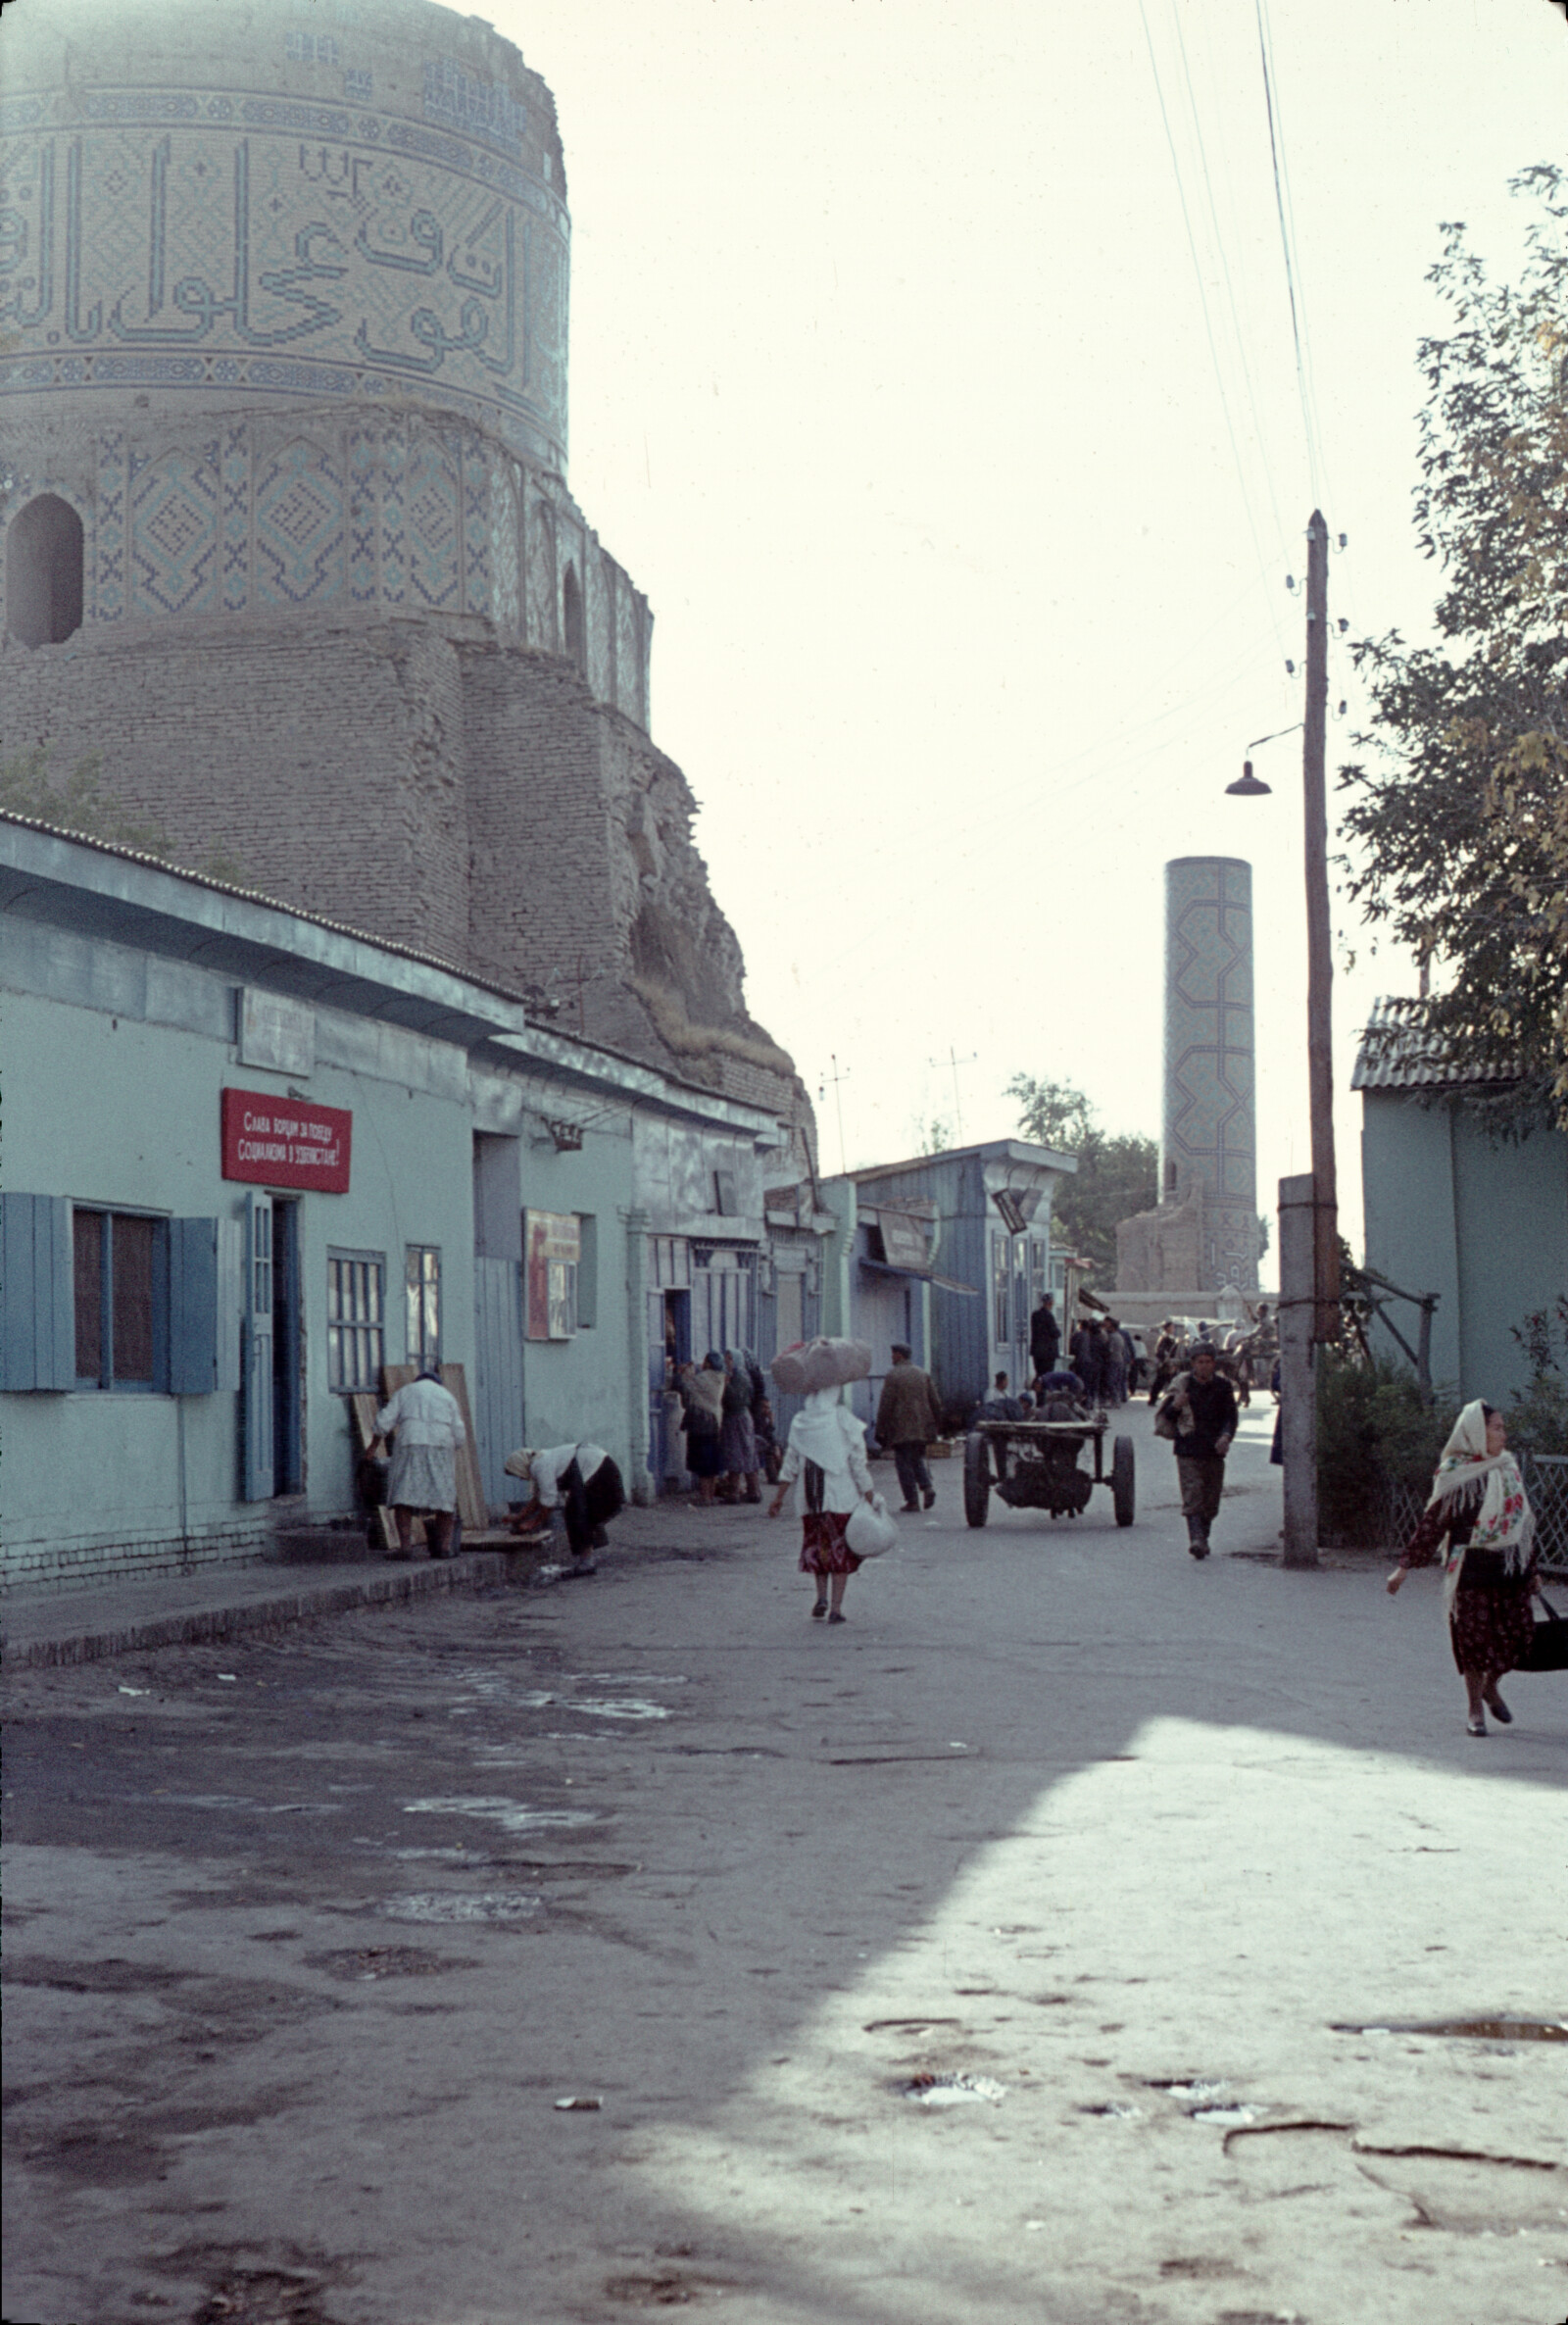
286, 1142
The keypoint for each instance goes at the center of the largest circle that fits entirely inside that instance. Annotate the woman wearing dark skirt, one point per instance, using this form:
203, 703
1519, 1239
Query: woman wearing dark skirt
1480, 1509
702, 1396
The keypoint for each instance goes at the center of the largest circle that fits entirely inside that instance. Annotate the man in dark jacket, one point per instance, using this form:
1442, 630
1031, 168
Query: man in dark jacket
1203, 1407
908, 1417
1045, 1336
1088, 1360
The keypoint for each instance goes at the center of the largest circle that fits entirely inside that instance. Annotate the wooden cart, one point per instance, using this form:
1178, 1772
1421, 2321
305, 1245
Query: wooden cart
1035, 1465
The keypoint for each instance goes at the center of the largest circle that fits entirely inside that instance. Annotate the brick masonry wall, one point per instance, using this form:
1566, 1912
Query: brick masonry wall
86, 1561
326, 758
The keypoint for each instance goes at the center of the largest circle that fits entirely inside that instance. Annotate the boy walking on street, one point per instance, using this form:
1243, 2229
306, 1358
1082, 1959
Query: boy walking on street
1200, 1408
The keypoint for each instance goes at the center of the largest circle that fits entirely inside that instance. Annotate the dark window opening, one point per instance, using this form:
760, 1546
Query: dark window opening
44, 561
1170, 1178
571, 615
120, 1267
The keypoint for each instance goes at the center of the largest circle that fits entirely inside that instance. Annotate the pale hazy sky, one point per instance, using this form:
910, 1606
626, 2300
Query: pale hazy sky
891, 385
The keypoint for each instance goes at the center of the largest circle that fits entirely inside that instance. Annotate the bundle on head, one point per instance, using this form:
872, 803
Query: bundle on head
820, 1365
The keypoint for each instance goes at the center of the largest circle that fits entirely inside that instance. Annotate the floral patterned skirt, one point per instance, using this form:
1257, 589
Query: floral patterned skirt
824, 1546
1489, 1630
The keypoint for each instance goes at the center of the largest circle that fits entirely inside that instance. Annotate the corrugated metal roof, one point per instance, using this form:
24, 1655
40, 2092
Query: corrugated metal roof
1400, 1052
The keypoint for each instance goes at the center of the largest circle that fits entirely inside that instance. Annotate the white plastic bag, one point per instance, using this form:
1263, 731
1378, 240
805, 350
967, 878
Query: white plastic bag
871, 1530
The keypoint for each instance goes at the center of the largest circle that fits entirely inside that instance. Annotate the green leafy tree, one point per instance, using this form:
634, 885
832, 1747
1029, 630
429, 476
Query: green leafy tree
1459, 814
1116, 1176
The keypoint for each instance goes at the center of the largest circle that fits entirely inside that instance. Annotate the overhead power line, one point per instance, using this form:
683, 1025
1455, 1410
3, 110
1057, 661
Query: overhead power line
1287, 236
1208, 328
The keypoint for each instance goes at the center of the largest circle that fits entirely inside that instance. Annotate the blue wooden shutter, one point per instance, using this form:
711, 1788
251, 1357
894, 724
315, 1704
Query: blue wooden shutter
255, 1483
205, 1262
37, 1294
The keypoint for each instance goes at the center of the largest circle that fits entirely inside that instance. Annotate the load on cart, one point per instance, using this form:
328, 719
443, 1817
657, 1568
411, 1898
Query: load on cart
1034, 1463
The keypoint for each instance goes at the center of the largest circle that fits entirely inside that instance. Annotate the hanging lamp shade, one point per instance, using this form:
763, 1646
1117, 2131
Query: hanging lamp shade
1246, 784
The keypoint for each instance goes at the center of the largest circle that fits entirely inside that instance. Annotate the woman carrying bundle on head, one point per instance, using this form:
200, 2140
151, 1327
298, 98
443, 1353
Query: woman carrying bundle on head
1480, 1509
826, 1452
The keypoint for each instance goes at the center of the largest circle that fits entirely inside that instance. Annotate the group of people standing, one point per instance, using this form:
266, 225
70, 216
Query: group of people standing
1101, 1353
728, 1426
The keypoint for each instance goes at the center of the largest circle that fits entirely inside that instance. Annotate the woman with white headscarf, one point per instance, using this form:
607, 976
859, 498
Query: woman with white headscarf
826, 1451
1480, 1509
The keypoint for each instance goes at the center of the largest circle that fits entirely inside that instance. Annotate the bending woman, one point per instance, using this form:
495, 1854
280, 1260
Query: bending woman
1480, 1508
826, 1451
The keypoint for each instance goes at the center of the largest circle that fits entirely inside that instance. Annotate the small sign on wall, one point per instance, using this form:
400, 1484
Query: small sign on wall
275, 1032
281, 1142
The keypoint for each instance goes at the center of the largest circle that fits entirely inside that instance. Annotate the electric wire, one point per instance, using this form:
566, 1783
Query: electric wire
1295, 251
1208, 328
1314, 463
1230, 288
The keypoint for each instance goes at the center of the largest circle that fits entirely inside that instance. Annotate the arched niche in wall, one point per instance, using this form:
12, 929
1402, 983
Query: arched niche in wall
44, 565
572, 617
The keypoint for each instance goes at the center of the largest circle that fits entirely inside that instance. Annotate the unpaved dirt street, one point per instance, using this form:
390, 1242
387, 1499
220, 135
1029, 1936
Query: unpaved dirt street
307, 1938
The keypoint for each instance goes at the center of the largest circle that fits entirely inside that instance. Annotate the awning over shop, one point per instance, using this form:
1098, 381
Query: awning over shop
919, 1276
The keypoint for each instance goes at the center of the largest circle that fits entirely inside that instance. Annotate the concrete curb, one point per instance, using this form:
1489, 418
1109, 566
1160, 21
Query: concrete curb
78, 1641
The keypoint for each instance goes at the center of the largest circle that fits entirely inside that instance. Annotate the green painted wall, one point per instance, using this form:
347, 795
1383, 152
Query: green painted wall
1481, 1222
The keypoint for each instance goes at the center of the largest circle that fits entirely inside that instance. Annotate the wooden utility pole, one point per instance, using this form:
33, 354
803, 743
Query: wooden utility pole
1319, 942
1309, 1216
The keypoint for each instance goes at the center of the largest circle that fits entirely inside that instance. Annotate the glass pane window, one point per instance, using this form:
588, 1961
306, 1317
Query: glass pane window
1002, 1324
355, 1334
422, 1290
133, 1267
120, 1268
87, 1232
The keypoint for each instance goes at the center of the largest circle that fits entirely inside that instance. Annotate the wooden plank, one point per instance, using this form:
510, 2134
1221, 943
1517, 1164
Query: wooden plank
473, 1507
364, 1407
392, 1378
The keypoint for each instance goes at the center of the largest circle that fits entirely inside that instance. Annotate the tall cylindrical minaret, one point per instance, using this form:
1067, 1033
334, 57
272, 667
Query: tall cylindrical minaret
1209, 1139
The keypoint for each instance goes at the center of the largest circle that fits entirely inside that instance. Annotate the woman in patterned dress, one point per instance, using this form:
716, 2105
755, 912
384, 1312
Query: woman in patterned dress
826, 1451
1480, 1508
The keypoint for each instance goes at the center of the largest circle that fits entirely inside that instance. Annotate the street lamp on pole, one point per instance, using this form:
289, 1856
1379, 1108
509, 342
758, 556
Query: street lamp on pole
1310, 1235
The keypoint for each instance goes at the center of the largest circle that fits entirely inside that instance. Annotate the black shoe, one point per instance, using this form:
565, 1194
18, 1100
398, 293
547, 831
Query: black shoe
1499, 1709
930, 1497
819, 1610
910, 1506
836, 1616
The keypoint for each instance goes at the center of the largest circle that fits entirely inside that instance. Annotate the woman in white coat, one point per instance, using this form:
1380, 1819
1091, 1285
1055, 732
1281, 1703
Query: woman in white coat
826, 1452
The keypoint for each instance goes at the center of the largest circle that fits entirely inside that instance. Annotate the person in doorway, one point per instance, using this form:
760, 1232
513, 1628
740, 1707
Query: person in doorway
425, 1422
702, 1397
737, 1448
1480, 1509
1202, 1408
1045, 1335
826, 1451
909, 1416
583, 1483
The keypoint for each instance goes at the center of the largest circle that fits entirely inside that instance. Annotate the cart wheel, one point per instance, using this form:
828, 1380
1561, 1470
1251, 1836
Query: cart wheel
976, 1477
1122, 1491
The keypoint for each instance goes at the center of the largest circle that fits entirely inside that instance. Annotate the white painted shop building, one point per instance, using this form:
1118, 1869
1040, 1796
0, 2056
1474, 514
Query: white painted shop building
250, 1157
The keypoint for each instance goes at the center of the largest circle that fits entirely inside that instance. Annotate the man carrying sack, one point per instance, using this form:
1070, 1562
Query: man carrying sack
1198, 1415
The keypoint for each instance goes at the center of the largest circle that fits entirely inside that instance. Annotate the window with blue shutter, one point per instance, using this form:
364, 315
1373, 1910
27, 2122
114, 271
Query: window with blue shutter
37, 1337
